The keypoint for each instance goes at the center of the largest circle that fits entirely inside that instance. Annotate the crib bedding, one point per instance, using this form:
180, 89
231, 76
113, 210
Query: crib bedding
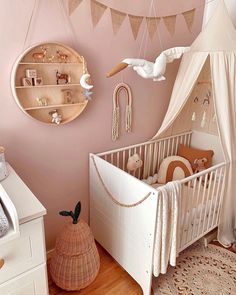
4, 224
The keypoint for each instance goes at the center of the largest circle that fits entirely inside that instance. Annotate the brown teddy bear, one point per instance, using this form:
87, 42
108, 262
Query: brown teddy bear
200, 165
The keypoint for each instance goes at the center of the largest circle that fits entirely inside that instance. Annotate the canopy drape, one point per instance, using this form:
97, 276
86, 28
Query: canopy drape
218, 42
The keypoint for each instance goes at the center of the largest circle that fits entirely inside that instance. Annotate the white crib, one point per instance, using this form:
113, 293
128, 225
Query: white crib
128, 232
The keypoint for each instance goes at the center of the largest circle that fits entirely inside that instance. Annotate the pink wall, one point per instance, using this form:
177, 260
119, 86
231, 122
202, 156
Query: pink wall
54, 161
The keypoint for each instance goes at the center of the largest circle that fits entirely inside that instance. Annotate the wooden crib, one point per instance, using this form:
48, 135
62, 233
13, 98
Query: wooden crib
123, 209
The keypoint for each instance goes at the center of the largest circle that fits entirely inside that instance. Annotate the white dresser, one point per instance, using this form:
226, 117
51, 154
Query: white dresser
24, 269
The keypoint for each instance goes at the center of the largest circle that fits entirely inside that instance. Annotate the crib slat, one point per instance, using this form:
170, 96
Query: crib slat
190, 197
204, 207
177, 145
139, 169
219, 179
154, 163
221, 192
212, 196
134, 152
195, 224
112, 158
159, 155
123, 160
118, 159
145, 162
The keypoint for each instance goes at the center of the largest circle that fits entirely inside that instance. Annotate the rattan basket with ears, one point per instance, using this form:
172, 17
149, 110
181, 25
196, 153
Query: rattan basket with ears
75, 262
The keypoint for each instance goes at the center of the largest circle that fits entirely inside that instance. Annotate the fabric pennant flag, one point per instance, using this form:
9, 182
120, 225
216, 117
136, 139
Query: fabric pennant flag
97, 10
189, 18
170, 23
117, 18
135, 23
72, 5
152, 24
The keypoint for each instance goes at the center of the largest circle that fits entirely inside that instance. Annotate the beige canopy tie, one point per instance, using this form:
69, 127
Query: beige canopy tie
116, 110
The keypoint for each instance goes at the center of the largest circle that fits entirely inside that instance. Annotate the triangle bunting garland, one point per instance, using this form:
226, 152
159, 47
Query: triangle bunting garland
170, 23
135, 23
152, 24
189, 18
97, 10
72, 5
117, 18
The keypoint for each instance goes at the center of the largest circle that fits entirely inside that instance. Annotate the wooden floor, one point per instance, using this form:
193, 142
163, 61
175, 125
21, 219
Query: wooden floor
111, 280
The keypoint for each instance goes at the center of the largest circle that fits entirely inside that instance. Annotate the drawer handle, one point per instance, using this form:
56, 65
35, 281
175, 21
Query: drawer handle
1, 263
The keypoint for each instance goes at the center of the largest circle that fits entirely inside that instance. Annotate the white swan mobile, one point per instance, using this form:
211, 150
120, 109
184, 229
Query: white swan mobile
150, 70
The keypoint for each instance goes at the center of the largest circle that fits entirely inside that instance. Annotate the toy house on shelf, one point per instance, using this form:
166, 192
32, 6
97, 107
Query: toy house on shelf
46, 77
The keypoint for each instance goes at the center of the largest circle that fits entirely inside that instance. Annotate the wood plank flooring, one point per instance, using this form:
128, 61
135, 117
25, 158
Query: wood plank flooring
111, 280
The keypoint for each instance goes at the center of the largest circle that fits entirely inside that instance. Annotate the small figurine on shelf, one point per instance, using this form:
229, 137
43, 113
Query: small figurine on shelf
67, 96
56, 118
62, 57
38, 81
62, 78
40, 56
50, 58
42, 101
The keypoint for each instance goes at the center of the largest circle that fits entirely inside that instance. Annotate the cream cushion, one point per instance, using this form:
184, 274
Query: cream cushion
174, 168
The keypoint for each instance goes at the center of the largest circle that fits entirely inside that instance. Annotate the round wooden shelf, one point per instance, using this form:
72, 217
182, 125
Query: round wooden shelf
48, 91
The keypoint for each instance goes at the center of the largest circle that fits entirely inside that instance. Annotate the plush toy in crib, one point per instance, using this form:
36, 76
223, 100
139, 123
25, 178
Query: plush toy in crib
134, 162
151, 179
200, 165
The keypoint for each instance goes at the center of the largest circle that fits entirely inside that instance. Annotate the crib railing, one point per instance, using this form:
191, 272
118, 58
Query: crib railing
152, 153
200, 204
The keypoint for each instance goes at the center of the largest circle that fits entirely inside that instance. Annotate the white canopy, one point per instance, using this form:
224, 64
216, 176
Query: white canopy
216, 43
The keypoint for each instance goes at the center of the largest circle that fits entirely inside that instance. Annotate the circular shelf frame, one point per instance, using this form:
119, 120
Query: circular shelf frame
25, 96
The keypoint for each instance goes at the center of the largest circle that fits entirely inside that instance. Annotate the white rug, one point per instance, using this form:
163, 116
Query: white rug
200, 271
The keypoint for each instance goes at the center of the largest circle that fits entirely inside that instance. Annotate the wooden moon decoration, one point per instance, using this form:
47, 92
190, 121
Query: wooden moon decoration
45, 83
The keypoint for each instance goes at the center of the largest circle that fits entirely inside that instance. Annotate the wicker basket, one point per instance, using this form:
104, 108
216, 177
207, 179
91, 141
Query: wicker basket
75, 262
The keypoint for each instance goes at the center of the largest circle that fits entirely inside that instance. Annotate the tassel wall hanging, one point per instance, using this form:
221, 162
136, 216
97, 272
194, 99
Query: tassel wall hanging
116, 110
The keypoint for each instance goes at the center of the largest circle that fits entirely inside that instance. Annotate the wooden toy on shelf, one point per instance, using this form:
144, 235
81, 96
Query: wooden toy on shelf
56, 118
62, 57
51, 67
40, 56
67, 96
42, 101
62, 78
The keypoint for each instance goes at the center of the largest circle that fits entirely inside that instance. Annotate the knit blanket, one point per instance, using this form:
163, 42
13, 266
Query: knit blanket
167, 227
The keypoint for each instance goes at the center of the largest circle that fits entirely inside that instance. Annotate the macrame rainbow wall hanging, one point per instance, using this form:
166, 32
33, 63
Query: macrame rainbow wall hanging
116, 110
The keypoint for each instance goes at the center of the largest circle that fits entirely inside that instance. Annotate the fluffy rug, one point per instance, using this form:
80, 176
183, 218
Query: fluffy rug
200, 271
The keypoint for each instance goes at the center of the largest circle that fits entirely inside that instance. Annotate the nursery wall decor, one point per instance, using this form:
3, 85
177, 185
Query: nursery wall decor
116, 110
117, 18
147, 69
51, 83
